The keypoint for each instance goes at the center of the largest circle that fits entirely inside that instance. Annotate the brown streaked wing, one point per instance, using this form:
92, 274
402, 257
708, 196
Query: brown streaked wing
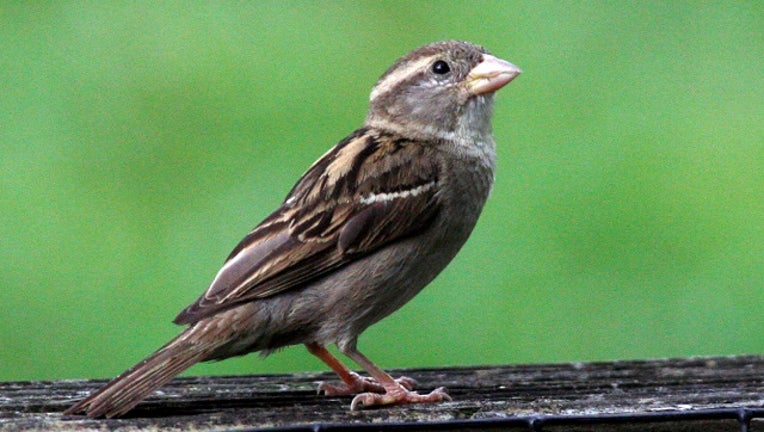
370, 190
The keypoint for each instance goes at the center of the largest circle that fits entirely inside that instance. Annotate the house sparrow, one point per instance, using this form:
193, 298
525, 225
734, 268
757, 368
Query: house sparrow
369, 224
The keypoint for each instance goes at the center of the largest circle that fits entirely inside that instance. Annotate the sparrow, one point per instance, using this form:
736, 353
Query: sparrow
365, 228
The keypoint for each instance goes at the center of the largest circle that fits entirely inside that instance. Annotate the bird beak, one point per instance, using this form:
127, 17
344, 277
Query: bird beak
490, 75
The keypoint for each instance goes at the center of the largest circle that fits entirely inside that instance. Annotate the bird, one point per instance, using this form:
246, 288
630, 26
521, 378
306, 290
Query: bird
367, 226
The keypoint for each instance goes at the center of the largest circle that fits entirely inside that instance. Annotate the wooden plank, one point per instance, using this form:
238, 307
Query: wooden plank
721, 393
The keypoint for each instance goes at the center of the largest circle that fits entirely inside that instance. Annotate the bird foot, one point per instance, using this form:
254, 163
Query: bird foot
358, 384
398, 395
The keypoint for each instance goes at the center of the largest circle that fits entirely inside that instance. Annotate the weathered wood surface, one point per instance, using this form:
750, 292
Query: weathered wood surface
704, 394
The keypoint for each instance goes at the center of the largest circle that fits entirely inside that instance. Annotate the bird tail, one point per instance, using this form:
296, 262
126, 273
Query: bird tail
124, 392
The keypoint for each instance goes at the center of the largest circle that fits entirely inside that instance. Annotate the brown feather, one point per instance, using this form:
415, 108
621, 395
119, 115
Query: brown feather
122, 393
354, 200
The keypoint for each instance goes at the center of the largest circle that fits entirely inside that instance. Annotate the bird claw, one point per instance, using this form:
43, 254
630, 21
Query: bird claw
398, 395
361, 384
407, 382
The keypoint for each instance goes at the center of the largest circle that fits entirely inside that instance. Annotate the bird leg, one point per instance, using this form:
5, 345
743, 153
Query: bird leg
353, 383
395, 392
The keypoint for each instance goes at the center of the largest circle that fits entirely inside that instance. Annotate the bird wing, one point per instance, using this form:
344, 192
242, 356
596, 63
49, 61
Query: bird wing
367, 192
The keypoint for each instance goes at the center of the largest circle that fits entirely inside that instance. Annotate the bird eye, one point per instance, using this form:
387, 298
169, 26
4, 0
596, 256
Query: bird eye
440, 67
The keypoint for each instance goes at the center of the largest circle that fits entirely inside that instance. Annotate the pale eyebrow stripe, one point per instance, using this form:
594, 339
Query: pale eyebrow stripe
389, 82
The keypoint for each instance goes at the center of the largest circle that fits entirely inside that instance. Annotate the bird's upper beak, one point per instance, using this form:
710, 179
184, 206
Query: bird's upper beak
490, 75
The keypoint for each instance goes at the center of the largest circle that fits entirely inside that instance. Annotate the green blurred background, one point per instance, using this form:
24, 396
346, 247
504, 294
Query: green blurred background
141, 141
